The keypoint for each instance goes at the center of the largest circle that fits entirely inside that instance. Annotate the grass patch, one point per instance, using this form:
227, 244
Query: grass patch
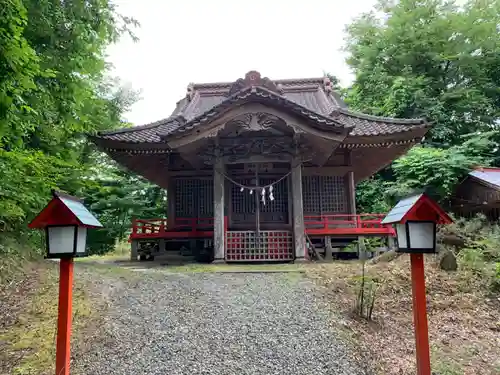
121, 251
211, 268
27, 337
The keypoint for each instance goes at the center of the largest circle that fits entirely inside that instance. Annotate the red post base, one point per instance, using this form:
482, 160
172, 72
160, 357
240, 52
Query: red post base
420, 315
64, 317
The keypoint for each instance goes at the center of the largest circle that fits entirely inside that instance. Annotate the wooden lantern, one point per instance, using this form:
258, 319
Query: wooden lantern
415, 219
65, 220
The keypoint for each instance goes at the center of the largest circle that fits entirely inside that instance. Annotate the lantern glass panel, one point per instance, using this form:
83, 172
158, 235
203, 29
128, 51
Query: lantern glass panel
81, 241
401, 234
61, 240
422, 235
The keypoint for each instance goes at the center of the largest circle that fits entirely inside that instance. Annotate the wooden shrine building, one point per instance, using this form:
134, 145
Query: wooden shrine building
478, 193
256, 168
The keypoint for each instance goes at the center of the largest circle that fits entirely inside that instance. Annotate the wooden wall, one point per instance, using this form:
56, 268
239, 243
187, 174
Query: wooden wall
323, 193
472, 197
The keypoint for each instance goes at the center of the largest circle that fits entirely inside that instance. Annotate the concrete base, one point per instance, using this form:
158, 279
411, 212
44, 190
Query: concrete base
218, 261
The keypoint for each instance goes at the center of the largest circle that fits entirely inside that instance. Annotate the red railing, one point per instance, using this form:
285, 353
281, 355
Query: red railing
347, 224
363, 224
183, 227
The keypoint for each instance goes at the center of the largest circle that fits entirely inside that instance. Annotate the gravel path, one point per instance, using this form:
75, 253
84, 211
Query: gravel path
161, 323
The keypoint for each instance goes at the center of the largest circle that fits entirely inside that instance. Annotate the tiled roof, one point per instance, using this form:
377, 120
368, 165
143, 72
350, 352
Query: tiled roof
310, 97
367, 125
258, 94
488, 175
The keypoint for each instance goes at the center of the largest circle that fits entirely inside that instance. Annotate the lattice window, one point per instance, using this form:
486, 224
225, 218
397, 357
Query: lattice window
205, 198
311, 186
262, 246
324, 194
333, 197
184, 193
194, 197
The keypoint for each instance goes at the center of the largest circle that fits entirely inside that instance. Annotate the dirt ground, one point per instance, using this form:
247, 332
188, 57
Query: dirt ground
464, 319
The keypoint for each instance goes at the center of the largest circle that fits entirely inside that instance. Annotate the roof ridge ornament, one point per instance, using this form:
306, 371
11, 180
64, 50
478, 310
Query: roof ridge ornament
190, 91
253, 79
327, 84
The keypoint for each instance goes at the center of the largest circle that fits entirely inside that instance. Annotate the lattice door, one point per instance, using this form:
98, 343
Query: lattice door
243, 203
266, 245
275, 211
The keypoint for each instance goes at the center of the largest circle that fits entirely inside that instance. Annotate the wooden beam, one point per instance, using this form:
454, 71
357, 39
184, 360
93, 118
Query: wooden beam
325, 171
257, 159
192, 173
170, 202
351, 191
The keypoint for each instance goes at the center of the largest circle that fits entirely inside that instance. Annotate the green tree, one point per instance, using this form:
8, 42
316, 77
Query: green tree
430, 58
116, 197
55, 89
439, 170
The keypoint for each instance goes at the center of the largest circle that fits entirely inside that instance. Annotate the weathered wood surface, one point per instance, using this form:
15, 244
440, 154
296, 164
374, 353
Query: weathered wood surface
219, 210
298, 211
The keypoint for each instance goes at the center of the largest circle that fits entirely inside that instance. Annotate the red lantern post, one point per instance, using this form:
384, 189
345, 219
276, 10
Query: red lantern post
65, 220
415, 219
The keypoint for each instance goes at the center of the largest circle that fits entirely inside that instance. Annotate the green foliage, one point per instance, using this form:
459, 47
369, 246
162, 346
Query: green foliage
439, 170
366, 244
371, 196
54, 89
481, 252
429, 58
367, 291
496, 280
19, 63
27, 178
116, 197
436, 171
432, 59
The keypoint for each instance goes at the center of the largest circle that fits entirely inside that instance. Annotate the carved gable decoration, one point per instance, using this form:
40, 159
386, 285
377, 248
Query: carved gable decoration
256, 122
244, 149
253, 78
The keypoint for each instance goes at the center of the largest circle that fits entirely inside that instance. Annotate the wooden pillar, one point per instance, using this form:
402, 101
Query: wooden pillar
219, 234
328, 248
170, 203
351, 191
298, 211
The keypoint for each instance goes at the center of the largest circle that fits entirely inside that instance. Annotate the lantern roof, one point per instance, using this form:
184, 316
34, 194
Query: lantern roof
65, 209
417, 207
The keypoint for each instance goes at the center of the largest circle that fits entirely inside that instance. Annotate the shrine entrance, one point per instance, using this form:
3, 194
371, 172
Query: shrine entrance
259, 212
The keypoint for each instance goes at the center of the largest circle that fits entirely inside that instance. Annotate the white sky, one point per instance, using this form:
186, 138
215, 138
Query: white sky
220, 40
